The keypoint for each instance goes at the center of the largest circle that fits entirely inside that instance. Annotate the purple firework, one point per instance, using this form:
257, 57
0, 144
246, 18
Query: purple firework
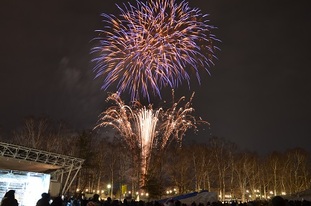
153, 45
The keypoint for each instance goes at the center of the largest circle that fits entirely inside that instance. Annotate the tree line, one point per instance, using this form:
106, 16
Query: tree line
217, 165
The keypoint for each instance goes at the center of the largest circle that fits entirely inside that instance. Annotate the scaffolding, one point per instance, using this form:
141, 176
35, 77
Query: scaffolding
62, 168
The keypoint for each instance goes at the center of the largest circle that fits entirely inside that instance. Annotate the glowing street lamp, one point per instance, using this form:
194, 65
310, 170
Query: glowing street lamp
109, 189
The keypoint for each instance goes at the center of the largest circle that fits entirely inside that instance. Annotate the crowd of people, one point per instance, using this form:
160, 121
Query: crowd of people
46, 200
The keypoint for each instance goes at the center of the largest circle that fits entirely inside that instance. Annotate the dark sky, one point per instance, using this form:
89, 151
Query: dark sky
258, 96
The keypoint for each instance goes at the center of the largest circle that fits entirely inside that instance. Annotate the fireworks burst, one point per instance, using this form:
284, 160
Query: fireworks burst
144, 128
153, 45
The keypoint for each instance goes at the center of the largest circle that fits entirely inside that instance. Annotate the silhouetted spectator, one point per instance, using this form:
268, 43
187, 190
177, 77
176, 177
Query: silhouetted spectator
9, 199
108, 202
94, 201
278, 201
177, 203
57, 201
44, 201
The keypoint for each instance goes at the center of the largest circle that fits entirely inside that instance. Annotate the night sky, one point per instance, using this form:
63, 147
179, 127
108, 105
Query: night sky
258, 94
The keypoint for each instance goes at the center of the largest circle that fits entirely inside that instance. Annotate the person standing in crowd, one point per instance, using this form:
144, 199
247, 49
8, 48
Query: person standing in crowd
9, 199
94, 201
278, 201
57, 201
44, 201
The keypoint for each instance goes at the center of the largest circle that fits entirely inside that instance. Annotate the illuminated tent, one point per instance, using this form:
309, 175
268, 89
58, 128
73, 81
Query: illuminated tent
198, 197
18, 161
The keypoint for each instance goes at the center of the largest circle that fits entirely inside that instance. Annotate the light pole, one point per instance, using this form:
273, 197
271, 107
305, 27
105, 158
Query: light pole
109, 189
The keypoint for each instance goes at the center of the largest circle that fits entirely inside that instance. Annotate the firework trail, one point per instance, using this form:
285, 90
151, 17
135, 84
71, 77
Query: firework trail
145, 129
153, 45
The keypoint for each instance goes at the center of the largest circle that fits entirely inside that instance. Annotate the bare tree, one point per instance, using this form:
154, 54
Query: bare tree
245, 168
222, 154
202, 165
179, 166
34, 133
297, 171
274, 166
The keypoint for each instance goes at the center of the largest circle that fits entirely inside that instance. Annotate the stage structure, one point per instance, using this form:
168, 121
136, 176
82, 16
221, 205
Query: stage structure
23, 168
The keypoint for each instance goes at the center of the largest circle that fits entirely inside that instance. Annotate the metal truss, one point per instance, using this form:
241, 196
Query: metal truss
68, 167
